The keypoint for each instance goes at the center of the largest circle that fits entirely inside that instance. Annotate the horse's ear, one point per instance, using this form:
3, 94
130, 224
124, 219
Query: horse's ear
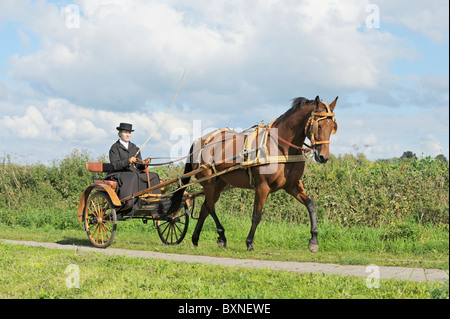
333, 104
317, 101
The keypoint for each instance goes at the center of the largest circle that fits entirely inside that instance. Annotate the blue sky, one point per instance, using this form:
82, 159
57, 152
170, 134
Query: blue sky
70, 71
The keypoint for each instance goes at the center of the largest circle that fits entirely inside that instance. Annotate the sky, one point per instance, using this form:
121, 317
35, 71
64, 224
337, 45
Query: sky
71, 71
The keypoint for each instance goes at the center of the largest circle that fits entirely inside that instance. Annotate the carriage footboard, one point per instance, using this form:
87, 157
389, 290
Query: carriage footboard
158, 206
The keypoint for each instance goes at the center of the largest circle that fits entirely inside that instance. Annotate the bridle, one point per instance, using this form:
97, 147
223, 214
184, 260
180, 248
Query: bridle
312, 126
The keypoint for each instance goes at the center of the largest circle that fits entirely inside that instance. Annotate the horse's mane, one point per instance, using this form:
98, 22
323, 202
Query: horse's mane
297, 104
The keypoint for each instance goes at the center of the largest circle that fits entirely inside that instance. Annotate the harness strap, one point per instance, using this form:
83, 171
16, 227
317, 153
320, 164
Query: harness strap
306, 150
313, 124
210, 138
279, 159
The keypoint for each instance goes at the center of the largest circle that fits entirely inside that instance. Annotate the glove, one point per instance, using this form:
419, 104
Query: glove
132, 160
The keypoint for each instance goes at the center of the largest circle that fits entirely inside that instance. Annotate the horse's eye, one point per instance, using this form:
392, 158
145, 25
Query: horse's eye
320, 126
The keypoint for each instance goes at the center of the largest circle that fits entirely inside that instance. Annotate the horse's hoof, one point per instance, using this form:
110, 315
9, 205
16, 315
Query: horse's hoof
314, 248
221, 243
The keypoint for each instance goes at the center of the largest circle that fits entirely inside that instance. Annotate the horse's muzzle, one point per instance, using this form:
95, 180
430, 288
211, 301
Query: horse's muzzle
320, 158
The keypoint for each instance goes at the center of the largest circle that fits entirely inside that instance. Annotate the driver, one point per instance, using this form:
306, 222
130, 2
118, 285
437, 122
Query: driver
129, 172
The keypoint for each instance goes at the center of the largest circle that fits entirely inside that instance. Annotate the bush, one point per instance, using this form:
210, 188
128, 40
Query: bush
348, 190
351, 190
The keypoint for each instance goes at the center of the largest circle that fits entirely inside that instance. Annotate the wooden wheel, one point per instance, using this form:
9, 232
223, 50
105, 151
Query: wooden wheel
100, 220
173, 229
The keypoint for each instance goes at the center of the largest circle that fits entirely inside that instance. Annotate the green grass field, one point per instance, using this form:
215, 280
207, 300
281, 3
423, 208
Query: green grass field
30, 272
368, 213
273, 241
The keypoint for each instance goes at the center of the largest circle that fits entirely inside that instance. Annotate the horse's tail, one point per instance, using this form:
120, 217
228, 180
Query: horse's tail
177, 196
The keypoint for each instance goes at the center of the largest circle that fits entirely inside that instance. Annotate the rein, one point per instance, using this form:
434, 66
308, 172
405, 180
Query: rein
303, 149
312, 126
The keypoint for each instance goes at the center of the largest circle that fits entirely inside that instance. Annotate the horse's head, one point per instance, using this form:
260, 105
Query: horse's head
319, 128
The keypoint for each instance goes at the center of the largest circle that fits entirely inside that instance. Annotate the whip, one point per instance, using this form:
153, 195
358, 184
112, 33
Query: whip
167, 113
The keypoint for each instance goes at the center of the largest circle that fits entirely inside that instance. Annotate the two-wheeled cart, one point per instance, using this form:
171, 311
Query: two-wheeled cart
100, 209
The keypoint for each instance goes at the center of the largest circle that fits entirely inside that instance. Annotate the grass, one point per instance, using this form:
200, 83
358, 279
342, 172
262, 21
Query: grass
282, 241
31, 272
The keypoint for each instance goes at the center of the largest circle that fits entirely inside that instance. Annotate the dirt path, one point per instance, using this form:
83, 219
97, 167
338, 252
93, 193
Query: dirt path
413, 274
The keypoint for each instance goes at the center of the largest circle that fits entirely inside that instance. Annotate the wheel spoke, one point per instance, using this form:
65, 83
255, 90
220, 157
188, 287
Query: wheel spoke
104, 231
170, 233
95, 227
101, 232
165, 224
179, 229
106, 227
93, 213
104, 207
98, 233
96, 208
175, 232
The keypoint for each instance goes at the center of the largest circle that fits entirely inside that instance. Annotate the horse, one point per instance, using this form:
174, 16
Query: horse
312, 119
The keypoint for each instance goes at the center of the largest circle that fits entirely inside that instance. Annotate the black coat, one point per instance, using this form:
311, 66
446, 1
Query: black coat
130, 178
119, 157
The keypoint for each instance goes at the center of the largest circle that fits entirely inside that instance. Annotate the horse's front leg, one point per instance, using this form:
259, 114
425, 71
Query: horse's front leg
261, 194
299, 193
313, 245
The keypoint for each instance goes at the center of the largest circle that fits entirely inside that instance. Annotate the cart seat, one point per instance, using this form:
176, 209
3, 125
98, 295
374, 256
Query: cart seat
101, 168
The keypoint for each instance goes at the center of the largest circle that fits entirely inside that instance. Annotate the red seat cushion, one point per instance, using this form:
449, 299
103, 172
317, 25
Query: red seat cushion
98, 167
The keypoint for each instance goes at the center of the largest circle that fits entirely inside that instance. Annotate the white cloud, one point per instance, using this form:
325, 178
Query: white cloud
127, 54
31, 125
59, 125
429, 18
432, 145
245, 60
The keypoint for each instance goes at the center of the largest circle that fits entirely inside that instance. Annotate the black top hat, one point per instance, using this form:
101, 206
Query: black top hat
125, 127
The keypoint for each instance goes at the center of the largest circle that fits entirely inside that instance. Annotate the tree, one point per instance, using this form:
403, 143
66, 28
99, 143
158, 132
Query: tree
408, 155
441, 158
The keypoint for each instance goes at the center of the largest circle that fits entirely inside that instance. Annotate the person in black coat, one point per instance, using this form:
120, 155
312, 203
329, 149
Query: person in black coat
129, 174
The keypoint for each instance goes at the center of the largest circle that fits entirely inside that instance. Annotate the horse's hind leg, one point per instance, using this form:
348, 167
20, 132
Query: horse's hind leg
198, 228
212, 195
218, 188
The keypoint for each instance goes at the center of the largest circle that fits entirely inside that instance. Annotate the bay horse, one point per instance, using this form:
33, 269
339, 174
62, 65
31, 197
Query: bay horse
312, 119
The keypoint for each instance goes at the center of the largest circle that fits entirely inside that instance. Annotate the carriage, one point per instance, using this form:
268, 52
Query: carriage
100, 209
218, 161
